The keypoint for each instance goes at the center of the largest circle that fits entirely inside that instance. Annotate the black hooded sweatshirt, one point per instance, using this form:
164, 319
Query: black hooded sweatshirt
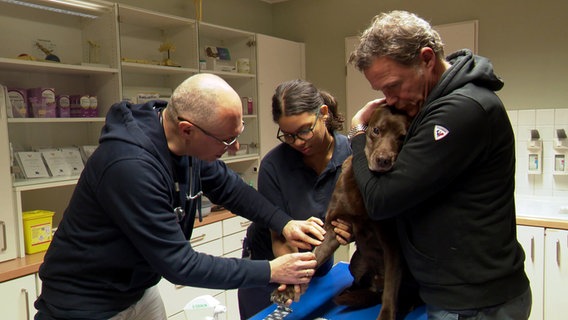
452, 192
119, 235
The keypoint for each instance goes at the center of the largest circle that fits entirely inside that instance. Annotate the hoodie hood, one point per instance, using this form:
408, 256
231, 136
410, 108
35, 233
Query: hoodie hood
139, 125
466, 68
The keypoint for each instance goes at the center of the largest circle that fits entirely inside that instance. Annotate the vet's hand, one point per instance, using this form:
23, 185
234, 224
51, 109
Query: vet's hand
364, 114
344, 231
297, 233
293, 268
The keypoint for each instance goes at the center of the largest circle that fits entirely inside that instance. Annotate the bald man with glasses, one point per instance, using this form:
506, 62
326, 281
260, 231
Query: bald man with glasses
128, 222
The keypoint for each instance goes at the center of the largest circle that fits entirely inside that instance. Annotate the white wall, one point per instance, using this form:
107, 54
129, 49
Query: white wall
546, 121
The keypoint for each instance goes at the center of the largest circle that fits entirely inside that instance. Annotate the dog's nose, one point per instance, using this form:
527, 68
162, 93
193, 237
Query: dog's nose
384, 162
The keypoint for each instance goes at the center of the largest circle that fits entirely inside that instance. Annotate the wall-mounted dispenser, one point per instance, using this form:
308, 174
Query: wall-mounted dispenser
560, 152
534, 146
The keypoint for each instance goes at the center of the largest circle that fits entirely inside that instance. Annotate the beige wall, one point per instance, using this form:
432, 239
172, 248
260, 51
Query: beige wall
527, 41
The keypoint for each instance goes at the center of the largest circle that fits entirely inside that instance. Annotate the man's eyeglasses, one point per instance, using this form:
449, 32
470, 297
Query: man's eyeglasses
304, 134
226, 142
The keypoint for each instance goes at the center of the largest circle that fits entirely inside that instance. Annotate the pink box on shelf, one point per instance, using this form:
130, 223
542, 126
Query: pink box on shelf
93, 107
63, 106
80, 105
42, 102
19, 103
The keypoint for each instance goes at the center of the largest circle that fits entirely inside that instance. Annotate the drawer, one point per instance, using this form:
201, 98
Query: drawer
234, 225
175, 297
214, 248
206, 233
233, 242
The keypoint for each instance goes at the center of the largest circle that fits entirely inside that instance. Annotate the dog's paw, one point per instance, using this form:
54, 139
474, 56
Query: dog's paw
282, 297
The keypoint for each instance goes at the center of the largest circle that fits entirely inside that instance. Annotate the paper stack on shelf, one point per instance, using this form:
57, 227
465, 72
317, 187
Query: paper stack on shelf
31, 164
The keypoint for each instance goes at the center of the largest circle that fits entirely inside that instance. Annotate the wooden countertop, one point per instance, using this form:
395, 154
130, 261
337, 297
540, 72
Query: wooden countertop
543, 222
29, 264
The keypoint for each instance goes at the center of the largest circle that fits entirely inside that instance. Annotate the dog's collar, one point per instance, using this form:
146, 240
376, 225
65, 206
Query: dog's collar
360, 128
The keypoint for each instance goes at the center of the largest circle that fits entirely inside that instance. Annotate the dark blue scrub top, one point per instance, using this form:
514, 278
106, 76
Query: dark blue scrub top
289, 184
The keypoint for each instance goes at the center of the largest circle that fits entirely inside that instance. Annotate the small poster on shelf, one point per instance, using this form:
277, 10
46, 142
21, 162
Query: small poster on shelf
56, 163
31, 164
73, 158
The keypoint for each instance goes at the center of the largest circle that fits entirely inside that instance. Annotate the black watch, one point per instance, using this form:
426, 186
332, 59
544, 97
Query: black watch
360, 128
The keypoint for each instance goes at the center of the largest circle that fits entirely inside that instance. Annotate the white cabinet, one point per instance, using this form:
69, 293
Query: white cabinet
223, 238
532, 241
240, 45
70, 34
111, 51
205, 239
234, 232
546, 265
555, 274
279, 60
18, 296
8, 226
158, 51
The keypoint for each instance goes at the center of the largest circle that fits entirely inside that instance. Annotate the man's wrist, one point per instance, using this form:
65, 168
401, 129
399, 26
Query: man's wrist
355, 130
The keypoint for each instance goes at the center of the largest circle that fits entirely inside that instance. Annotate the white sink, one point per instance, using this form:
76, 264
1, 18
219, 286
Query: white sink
542, 207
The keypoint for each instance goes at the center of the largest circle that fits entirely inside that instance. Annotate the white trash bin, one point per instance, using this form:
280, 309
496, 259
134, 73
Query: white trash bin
203, 308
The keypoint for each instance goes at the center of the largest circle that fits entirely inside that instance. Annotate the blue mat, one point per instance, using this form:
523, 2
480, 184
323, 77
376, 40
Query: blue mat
317, 302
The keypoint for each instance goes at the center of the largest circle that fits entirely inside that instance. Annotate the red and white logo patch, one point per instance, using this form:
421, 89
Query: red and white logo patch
440, 132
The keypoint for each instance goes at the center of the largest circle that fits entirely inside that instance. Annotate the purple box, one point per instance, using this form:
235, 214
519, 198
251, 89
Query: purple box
42, 102
80, 105
63, 106
93, 107
19, 103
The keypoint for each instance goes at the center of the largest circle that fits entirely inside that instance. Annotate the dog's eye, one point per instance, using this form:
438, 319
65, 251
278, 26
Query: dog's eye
376, 130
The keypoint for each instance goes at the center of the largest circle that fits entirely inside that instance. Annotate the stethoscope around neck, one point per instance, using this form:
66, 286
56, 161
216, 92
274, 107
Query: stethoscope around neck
179, 211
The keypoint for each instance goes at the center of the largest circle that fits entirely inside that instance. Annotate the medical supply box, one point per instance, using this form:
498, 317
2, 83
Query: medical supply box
37, 230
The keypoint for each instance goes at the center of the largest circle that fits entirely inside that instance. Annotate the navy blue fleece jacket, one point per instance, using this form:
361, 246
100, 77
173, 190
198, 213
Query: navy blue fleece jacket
119, 234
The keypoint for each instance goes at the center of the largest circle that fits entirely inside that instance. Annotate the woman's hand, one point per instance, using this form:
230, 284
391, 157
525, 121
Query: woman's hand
344, 231
297, 233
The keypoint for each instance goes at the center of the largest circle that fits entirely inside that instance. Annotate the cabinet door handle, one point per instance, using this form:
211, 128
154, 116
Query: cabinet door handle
558, 252
27, 298
197, 239
245, 223
532, 249
4, 244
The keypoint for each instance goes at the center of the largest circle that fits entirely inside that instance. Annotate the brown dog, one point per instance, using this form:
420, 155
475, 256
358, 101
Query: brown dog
376, 265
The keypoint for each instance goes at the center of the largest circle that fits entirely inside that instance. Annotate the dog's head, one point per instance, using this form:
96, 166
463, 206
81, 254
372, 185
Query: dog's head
385, 134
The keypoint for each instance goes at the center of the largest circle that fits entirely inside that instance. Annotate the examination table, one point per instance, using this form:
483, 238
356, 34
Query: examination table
317, 301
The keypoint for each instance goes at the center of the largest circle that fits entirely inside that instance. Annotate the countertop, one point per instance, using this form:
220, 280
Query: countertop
546, 212
29, 264
542, 211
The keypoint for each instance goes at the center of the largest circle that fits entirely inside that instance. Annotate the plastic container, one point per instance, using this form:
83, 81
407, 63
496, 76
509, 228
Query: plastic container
37, 230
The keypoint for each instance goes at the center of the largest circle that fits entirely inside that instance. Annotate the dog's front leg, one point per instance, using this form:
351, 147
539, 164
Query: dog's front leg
393, 273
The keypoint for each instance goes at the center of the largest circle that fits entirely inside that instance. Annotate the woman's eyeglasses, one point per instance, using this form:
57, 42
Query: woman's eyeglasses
304, 134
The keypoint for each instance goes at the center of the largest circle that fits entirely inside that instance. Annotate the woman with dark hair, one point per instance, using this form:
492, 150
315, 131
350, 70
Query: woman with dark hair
298, 176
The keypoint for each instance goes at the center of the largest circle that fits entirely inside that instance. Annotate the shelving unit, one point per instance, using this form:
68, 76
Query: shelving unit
145, 68
68, 32
127, 60
241, 44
